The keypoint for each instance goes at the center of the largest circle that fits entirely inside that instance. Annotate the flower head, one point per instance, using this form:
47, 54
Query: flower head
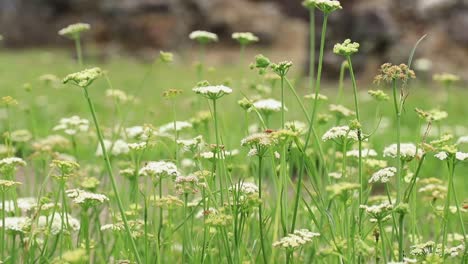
408, 151
378, 95
341, 133
74, 31
383, 175
267, 106
83, 78
446, 79
389, 72
326, 6
72, 125
86, 198
212, 92
203, 37
296, 239
244, 38
347, 48
159, 169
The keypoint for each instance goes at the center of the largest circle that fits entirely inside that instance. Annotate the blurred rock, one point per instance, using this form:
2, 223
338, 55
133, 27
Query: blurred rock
457, 25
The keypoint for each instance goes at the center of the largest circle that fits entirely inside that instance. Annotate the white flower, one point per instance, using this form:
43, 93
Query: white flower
212, 91
407, 151
462, 140
159, 168
267, 105
441, 155
119, 147
82, 197
72, 125
203, 36
139, 132
297, 239
335, 175
179, 125
244, 38
137, 146
56, 227
461, 156
377, 210
11, 162
25, 204
383, 175
341, 111
73, 31
16, 224
252, 152
340, 132
364, 153
245, 188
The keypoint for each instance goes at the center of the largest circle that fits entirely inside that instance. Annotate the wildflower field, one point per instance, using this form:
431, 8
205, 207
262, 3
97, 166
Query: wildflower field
186, 162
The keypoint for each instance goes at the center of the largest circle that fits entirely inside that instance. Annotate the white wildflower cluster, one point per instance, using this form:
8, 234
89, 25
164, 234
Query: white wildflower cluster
341, 111
203, 37
187, 184
461, 156
296, 239
212, 92
326, 6
120, 96
25, 204
83, 78
137, 146
73, 31
335, 174
462, 140
190, 144
267, 106
59, 223
179, 126
364, 153
86, 198
319, 97
159, 169
244, 38
383, 175
11, 163
16, 224
116, 148
340, 132
407, 151
139, 132
245, 188
347, 48
296, 126
378, 212
72, 125
21, 135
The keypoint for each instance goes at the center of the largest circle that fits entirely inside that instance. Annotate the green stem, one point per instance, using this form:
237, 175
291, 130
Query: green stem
384, 254
217, 152
312, 47
451, 166
260, 219
112, 178
319, 70
78, 51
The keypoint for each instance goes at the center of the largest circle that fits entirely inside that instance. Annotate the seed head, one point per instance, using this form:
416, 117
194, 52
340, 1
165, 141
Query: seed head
389, 72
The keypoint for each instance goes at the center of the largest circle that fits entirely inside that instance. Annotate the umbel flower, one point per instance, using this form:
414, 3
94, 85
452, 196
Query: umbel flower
212, 92
340, 111
74, 31
326, 6
267, 106
389, 72
340, 133
83, 78
11, 163
296, 239
431, 115
244, 38
203, 37
408, 151
86, 198
346, 49
72, 125
259, 143
379, 95
383, 175
446, 79
159, 169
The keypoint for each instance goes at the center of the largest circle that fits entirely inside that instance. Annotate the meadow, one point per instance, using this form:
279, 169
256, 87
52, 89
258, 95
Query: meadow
121, 161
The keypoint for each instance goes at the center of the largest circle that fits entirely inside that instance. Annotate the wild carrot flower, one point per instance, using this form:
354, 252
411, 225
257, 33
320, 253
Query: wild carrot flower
259, 143
86, 198
267, 106
116, 148
320, 97
340, 133
159, 169
297, 239
383, 175
364, 152
11, 163
16, 225
379, 95
57, 223
83, 78
347, 48
212, 92
20, 136
72, 125
341, 111
179, 126
407, 151
447, 79
326, 6
186, 184
244, 38
203, 37
74, 31
344, 190
389, 72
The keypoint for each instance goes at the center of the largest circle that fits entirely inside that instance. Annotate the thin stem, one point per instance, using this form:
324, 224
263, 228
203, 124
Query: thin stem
111, 175
217, 152
282, 102
451, 167
319, 70
260, 219
78, 51
382, 231
312, 47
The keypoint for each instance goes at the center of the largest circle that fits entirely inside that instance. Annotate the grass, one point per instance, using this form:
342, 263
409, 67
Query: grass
202, 221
